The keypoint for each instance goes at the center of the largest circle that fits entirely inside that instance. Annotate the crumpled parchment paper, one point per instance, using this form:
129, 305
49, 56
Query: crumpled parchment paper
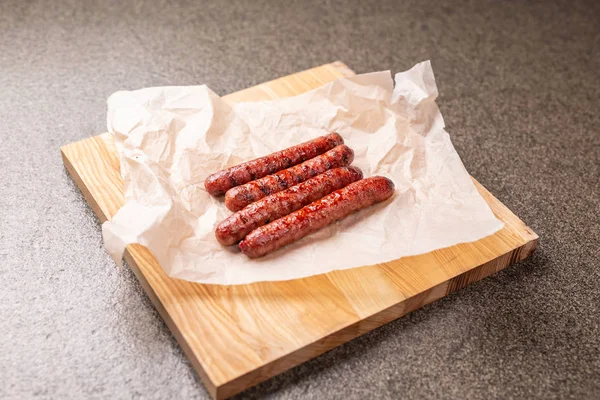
170, 139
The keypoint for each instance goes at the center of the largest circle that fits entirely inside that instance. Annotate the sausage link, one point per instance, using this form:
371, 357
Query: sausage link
220, 182
238, 225
239, 197
334, 206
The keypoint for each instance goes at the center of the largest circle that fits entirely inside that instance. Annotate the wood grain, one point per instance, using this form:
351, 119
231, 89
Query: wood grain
238, 336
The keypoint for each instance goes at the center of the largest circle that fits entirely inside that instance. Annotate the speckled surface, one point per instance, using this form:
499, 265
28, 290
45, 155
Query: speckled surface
520, 91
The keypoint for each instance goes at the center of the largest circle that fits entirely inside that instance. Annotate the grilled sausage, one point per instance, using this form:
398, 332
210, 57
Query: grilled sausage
239, 197
270, 208
220, 182
334, 206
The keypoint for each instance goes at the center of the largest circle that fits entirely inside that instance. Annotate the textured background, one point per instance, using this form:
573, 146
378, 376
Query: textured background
520, 92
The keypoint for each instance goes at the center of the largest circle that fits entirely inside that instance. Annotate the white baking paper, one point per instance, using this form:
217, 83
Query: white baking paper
170, 139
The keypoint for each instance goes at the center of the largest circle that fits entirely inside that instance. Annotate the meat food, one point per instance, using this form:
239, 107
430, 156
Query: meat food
220, 182
238, 225
240, 196
317, 215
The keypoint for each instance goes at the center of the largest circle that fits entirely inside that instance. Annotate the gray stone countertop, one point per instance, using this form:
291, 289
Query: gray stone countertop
520, 92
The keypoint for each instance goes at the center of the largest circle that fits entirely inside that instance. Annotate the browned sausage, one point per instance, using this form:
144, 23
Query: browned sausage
239, 197
270, 208
220, 182
334, 206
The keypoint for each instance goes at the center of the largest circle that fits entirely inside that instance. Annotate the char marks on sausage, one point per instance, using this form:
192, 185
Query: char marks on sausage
317, 215
239, 197
238, 225
220, 182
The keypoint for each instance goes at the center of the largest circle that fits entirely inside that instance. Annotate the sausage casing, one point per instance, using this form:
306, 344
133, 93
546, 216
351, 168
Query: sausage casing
220, 182
239, 197
311, 218
238, 225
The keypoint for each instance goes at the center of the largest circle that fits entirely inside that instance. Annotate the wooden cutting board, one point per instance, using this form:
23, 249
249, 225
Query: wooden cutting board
238, 336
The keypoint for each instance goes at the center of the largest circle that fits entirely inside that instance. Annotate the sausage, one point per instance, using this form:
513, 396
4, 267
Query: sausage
334, 206
239, 197
270, 208
220, 182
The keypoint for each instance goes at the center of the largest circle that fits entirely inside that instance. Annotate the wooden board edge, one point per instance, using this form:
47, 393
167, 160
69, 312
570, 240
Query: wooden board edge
345, 70
373, 322
517, 224
262, 91
187, 350
210, 386
72, 170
